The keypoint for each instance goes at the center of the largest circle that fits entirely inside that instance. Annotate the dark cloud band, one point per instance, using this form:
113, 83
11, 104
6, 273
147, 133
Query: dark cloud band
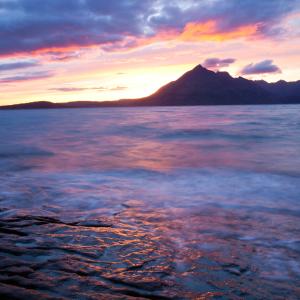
34, 25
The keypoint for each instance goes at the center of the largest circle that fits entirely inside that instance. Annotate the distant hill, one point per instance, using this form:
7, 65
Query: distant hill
197, 87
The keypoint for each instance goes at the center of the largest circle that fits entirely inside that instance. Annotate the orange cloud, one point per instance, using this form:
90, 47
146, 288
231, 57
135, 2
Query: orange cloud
208, 31
192, 32
50, 51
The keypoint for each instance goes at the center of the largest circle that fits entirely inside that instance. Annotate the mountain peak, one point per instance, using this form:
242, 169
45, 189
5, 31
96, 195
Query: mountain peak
200, 68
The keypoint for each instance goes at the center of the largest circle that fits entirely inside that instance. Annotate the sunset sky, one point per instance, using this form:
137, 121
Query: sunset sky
68, 50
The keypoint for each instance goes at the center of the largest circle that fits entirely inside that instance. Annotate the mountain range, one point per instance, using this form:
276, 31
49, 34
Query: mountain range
198, 86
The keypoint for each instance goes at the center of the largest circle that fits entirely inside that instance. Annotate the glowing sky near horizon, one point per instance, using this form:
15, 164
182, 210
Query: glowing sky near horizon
68, 50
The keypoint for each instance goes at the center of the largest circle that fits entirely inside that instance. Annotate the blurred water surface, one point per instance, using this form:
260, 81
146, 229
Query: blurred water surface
154, 203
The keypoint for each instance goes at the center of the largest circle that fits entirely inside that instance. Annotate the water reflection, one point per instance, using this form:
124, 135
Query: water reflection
153, 203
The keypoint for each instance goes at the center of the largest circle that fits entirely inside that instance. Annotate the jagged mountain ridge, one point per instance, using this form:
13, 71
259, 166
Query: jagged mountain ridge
198, 86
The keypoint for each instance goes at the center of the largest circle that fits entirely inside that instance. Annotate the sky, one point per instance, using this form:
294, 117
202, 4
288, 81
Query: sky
69, 50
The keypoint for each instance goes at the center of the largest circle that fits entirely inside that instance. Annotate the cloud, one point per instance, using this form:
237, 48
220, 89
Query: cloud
216, 63
263, 67
63, 56
34, 26
18, 65
26, 77
118, 88
68, 89
80, 89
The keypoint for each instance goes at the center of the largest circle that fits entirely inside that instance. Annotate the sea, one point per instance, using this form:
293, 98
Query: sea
150, 203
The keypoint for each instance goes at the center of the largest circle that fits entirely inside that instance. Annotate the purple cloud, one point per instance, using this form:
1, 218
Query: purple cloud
63, 56
80, 89
18, 65
33, 25
216, 63
27, 77
263, 67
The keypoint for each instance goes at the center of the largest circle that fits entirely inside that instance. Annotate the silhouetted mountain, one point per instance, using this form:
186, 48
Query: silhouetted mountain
203, 87
198, 87
285, 92
31, 105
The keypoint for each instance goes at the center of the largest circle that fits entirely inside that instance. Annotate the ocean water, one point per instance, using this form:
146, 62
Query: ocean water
150, 203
